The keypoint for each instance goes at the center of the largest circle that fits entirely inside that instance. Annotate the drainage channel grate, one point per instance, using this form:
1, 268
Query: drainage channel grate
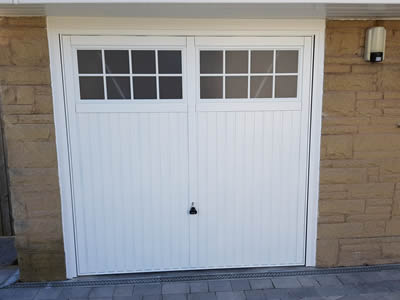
210, 276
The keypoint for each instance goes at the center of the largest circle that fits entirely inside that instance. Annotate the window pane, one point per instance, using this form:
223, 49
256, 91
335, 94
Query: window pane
144, 88
91, 87
285, 86
262, 61
210, 62
236, 62
211, 87
287, 61
90, 62
236, 87
143, 62
118, 88
170, 87
169, 62
117, 61
261, 87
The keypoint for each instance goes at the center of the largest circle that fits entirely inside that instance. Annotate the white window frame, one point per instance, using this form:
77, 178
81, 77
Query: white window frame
59, 26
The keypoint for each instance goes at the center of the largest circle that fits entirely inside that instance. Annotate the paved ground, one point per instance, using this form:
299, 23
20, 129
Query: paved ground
383, 285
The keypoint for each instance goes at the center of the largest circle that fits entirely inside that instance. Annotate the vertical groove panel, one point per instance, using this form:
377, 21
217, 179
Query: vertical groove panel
248, 181
131, 192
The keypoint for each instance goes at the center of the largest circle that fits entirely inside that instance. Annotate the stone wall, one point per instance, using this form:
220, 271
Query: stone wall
359, 208
27, 116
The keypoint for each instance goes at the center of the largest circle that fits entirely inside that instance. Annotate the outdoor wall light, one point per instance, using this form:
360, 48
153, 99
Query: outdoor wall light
375, 42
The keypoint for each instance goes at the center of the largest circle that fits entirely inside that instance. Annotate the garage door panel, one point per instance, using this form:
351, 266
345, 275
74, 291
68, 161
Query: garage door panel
138, 162
248, 179
131, 191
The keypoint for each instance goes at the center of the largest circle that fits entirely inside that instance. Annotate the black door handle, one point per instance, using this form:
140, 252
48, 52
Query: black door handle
193, 210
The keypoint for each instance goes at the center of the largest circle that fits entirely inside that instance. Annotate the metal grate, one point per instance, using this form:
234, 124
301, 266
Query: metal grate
180, 276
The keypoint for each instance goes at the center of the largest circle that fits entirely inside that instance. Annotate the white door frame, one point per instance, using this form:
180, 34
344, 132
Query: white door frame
58, 26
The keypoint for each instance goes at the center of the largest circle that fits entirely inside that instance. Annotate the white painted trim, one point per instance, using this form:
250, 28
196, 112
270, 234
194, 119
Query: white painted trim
64, 171
315, 142
58, 26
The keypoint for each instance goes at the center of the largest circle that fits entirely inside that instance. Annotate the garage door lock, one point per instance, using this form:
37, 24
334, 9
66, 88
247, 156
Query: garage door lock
193, 210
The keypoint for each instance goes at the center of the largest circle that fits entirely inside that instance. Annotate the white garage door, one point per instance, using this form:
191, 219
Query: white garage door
188, 152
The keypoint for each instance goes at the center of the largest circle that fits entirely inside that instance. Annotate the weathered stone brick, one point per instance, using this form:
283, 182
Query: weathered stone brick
389, 78
391, 95
343, 42
43, 104
371, 190
343, 175
27, 22
368, 108
338, 146
340, 230
366, 68
393, 227
369, 95
331, 219
336, 68
366, 218
382, 210
28, 132
327, 252
339, 103
41, 266
376, 142
358, 255
29, 52
341, 206
24, 75
33, 176
352, 82
391, 250
32, 155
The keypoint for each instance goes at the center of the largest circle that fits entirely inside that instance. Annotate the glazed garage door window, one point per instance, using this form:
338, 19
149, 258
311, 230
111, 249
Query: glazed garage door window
247, 74
130, 74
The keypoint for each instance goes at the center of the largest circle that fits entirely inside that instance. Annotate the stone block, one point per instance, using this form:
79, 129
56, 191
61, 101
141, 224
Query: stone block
391, 250
369, 95
27, 21
342, 42
41, 266
32, 155
342, 103
363, 69
393, 227
352, 255
24, 75
29, 52
343, 175
389, 78
331, 219
327, 252
353, 82
43, 104
367, 217
28, 132
336, 68
376, 142
371, 190
33, 176
341, 207
338, 146
340, 230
